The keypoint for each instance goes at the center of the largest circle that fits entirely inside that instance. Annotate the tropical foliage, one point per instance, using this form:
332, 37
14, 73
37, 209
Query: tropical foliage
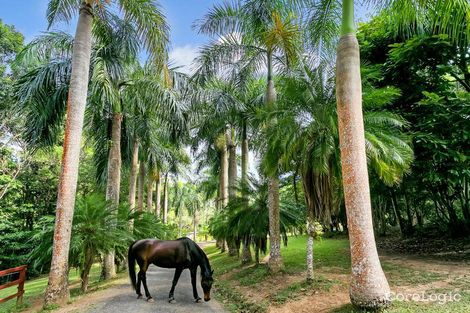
252, 147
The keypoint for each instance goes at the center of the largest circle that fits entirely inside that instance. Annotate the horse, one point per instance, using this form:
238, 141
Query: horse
180, 254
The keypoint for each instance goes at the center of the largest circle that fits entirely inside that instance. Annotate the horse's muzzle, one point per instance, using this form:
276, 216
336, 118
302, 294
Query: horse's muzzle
207, 297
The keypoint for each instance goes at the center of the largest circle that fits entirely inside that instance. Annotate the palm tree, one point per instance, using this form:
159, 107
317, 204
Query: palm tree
95, 232
255, 33
153, 31
308, 139
116, 55
369, 287
248, 217
115, 49
151, 28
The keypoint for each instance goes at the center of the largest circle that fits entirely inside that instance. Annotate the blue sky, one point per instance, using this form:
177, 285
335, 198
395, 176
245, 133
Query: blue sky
29, 17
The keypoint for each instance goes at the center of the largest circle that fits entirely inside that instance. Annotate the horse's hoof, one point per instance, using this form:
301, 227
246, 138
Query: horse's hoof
139, 297
198, 300
172, 301
151, 300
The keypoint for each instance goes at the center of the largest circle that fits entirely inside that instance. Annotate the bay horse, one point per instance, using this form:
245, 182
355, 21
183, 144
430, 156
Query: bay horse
179, 254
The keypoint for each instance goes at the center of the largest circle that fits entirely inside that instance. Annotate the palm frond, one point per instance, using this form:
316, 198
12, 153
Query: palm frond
61, 10
151, 25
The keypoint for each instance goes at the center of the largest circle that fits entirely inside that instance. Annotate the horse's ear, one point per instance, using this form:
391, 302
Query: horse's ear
212, 272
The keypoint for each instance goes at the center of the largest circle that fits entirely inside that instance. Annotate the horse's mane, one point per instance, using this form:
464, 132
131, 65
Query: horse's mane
193, 247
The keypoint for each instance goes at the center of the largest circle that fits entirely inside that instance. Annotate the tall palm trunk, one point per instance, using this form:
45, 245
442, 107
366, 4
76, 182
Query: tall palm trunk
223, 182
232, 181
113, 185
369, 287
133, 174
150, 183
140, 187
158, 194
245, 155
275, 260
57, 289
224, 175
195, 223
165, 200
246, 252
232, 164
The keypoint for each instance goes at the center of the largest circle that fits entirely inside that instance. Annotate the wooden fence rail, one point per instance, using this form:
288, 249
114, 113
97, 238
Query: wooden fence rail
20, 282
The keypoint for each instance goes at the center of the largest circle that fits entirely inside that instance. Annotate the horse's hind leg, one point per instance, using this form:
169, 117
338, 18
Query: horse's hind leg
139, 281
143, 277
178, 272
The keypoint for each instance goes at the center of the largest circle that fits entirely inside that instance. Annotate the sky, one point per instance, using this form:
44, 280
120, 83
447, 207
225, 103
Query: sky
29, 17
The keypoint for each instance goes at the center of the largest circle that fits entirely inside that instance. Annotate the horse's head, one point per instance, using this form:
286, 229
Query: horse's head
206, 284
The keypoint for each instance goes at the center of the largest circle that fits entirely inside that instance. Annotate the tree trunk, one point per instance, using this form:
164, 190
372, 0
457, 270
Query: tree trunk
224, 176
275, 260
232, 181
223, 183
140, 187
84, 275
113, 186
245, 155
165, 200
158, 195
257, 248
133, 174
396, 209
57, 289
150, 183
195, 222
310, 238
246, 252
464, 200
232, 164
369, 287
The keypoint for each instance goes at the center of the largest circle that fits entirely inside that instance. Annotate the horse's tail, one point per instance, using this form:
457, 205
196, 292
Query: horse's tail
131, 265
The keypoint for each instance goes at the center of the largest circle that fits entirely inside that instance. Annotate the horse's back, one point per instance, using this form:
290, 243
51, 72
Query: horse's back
163, 253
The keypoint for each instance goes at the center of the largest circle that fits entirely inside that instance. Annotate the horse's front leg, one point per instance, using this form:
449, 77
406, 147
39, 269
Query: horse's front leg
178, 272
193, 282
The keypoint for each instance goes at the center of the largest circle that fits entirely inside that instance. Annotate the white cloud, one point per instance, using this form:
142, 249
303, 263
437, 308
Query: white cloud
184, 56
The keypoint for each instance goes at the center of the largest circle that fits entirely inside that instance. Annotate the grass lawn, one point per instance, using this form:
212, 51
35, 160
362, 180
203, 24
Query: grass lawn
34, 289
237, 287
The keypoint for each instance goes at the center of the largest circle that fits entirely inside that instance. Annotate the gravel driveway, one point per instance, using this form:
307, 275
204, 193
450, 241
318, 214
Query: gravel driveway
159, 283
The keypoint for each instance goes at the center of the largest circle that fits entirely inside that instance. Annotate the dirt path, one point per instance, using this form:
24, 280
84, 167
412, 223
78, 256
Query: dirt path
121, 298
455, 276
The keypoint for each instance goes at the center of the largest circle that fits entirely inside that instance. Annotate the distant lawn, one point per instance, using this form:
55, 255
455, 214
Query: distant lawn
34, 289
331, 256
